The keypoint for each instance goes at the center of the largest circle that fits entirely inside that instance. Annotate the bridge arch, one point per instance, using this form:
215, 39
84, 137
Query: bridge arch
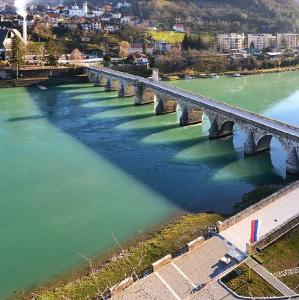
113, 84
165, 104
189, 115
144, 94
226, 128
102, 80
264, 143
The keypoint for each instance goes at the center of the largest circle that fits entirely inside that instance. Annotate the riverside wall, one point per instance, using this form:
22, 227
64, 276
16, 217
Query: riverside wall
252, 209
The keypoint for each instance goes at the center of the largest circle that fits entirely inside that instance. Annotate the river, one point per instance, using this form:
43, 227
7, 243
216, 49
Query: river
79, 165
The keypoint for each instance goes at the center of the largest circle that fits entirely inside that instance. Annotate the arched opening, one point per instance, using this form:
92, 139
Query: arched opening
129, 90
263, 144
226, 129
102, 80
165, 105
191, 116
112, 85
148, 96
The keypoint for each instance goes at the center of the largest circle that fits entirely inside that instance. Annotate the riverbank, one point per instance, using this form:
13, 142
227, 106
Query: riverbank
193, 74
102, 273
136, 258
32, 76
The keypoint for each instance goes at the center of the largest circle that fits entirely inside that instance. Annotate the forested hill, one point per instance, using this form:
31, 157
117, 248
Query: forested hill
221, 15
230, 15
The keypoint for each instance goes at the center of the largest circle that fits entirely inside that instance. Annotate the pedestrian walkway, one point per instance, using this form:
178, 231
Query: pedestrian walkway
185, 275
272, 216
272, 280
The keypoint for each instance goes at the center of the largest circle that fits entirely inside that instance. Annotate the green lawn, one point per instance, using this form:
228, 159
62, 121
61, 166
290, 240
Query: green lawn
282, 255
167, 36
238, 281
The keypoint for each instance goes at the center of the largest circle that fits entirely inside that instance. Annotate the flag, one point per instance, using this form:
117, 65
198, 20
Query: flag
255, 231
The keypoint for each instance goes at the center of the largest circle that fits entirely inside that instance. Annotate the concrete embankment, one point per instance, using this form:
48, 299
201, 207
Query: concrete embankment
45, 76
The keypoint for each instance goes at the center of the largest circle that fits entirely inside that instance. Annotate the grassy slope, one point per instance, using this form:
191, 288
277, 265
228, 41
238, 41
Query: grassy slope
284, 254
169, 239
256, 287
167, 36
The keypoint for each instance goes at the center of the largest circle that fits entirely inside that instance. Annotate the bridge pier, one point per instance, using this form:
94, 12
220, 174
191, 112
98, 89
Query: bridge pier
126, 90
292, 163
111, 85
165, 105
144, 95
93, 77
191, 116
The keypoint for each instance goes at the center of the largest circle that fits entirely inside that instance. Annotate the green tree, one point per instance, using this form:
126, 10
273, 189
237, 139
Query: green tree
186, 42
52, 49
17, 51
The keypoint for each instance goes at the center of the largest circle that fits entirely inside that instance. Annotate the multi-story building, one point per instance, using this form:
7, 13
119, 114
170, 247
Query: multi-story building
230, 41
92, 25
287, 40
140, 48
260, 41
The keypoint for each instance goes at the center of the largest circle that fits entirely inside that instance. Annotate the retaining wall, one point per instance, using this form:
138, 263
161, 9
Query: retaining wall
252, 209
276, 233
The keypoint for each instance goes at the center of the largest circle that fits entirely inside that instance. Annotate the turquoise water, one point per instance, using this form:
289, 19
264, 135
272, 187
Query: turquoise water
79, 165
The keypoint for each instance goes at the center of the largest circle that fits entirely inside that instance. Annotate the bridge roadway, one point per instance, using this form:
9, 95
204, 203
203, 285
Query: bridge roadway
237, 113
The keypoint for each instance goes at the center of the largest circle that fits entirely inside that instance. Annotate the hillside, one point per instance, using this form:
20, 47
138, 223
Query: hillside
228, 15
220, 15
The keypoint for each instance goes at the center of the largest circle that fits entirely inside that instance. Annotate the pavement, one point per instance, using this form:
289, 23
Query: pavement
271, 216
179, 279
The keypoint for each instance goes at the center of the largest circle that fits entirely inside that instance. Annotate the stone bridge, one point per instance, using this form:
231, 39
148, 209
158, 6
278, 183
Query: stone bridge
223, 117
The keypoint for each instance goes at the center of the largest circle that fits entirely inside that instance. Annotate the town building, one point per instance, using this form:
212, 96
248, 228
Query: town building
230, 41
94, 25
140, 59
139, 48
287, 40
179, 28
76, 11
123, 4
260, 41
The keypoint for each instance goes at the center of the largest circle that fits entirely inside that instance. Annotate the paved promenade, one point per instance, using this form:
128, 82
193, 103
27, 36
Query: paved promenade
271, 216
178, 279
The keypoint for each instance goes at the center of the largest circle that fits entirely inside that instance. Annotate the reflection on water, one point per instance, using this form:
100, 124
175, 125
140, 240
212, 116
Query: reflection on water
81, 163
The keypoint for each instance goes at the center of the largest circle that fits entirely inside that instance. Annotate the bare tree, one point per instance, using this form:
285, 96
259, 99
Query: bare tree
76, 57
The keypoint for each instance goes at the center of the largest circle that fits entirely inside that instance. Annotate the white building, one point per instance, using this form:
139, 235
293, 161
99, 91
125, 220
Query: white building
287, 40
76, 11
93, 26
85, 7
179, 28
123, 4
230, 41
260, 41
